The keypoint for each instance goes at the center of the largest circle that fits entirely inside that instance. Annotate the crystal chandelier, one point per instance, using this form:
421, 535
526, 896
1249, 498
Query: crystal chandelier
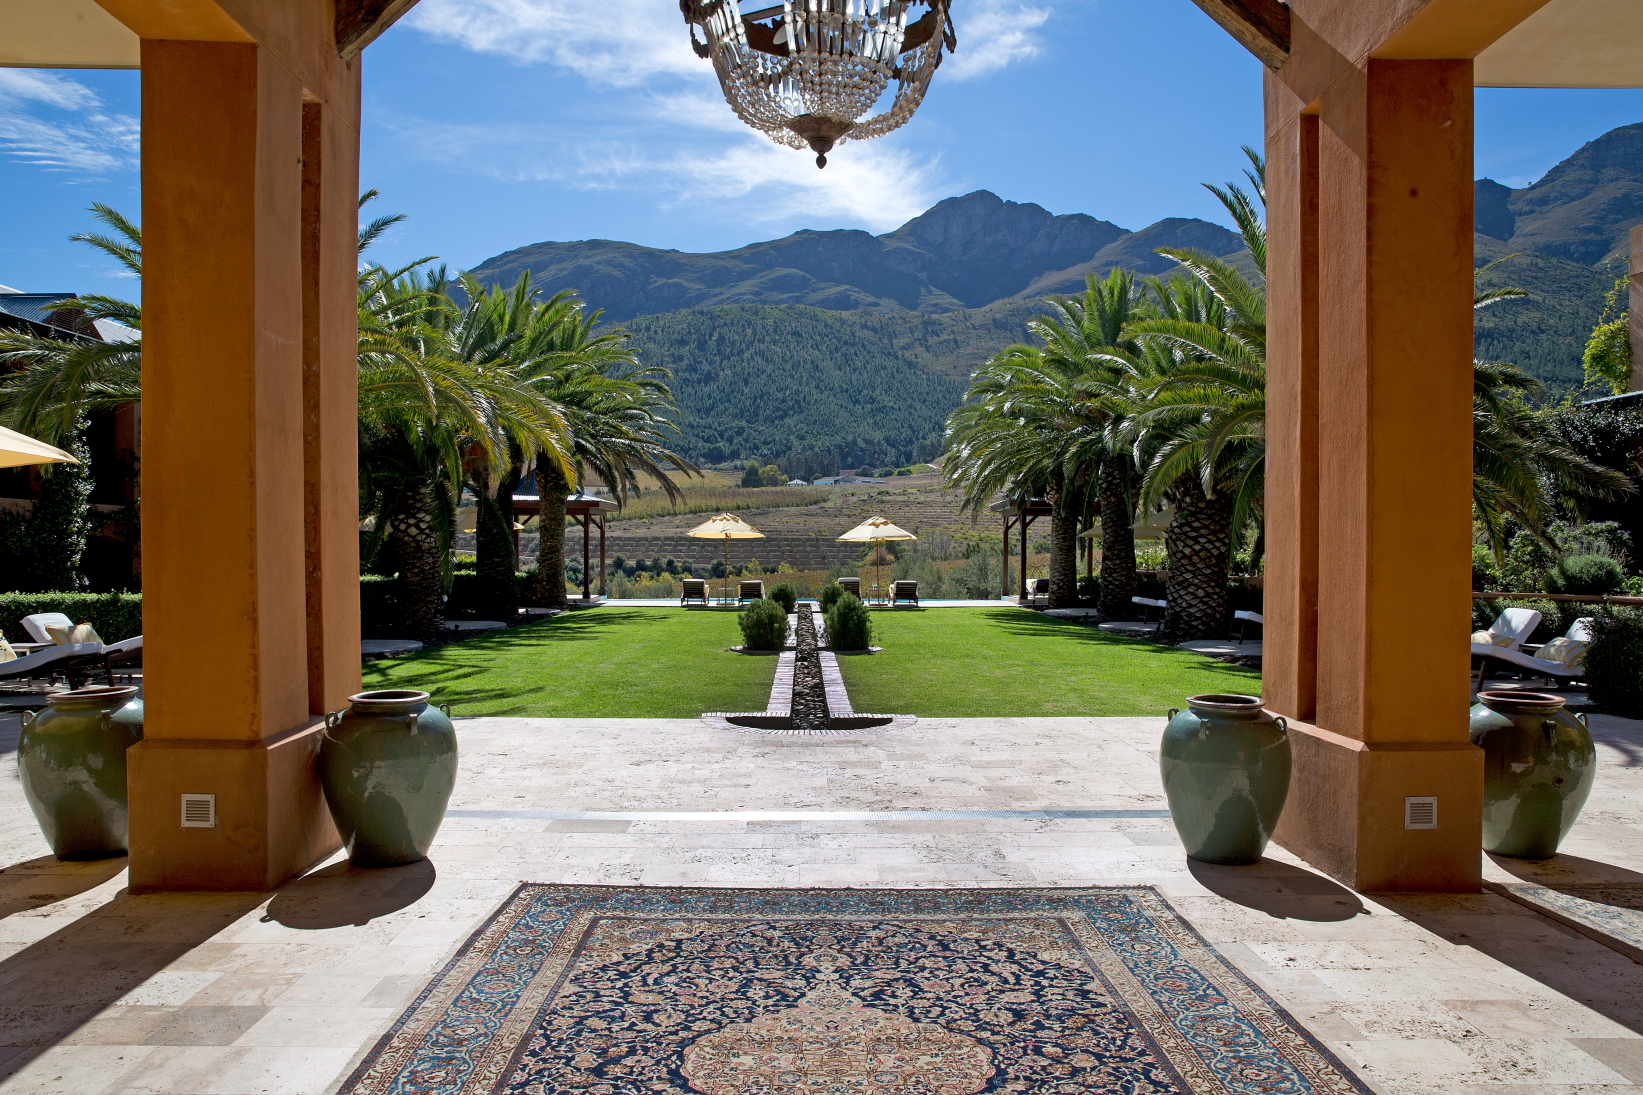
807, 71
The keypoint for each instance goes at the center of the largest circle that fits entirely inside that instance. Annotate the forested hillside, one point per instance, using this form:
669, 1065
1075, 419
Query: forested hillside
864, 386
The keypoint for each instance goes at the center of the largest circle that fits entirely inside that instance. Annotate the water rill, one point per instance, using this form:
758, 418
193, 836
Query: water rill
807, 697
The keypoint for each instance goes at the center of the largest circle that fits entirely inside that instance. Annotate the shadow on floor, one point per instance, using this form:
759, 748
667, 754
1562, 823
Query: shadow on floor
344, 894
1534, 943
1279, 890
48, 880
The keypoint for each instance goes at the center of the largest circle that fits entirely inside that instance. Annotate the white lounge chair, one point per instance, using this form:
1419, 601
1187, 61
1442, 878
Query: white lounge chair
1580, 631
1243, 618
1038, 591
1147, 605
47, 663
40, 624
37, 624
1510, 630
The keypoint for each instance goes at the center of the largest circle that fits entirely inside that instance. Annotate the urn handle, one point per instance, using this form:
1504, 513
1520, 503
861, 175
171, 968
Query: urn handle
445, 707
1174, 711
1283, 723
28, 718
1582, 717
332, 718
1549, 727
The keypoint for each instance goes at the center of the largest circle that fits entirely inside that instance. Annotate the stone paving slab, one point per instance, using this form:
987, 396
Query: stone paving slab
102, 992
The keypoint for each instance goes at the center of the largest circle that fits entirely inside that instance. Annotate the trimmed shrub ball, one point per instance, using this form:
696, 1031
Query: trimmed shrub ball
849, 624
786, 596
1590, 575
829, 595
764, 625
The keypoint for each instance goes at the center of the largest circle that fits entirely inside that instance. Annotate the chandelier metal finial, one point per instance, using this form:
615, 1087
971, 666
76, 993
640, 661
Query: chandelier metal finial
806, 72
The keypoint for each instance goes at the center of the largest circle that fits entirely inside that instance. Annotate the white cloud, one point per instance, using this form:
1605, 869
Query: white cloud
747, 178
992, 34
60, 124
613, 42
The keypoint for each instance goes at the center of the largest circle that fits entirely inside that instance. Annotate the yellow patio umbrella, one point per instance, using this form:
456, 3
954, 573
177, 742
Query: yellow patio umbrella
875, 530
726, 527
17, 450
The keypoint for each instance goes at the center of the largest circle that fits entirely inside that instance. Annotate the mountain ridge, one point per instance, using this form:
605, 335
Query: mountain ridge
963, 252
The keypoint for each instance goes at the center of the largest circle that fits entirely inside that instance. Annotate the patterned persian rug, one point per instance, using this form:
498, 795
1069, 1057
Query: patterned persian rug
603, 990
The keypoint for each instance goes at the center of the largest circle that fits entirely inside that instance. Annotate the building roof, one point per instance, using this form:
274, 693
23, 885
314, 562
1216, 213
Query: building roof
48, 315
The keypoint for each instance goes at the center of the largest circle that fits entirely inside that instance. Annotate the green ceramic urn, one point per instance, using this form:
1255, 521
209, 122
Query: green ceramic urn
72, 760
388, 764
1225, 763
1538, 768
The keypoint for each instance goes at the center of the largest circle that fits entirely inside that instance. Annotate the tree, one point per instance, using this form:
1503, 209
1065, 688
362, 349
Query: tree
425, 405
616, 413
53, 386
1043, 420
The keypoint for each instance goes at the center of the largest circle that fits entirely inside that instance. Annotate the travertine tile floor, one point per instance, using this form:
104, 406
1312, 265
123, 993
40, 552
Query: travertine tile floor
101, 992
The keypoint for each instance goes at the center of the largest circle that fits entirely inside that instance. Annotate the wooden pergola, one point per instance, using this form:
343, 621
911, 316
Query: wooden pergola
589, 511
250, 151
1018, 514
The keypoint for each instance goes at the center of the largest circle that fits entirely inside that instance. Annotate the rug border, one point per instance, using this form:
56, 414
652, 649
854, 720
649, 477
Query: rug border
1228, 966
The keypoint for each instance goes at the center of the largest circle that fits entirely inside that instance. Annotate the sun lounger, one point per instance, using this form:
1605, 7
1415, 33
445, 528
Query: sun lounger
1511, 629
71, 661
1147, 605
904, 592
37, 624
1580, 632
693, 591
750, 590
851, 586
1038, 591
1243, 618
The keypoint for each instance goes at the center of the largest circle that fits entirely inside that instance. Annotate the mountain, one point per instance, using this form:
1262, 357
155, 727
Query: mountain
1582, 210
961, 253
848, 347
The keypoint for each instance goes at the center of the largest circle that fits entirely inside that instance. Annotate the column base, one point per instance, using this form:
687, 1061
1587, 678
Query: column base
1345, 814
272, 823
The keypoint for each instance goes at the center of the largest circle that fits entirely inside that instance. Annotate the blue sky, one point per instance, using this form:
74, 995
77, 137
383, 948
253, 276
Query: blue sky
498, 123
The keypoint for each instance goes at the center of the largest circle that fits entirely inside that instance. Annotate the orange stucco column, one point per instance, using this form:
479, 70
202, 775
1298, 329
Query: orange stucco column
1371, 207
248, 462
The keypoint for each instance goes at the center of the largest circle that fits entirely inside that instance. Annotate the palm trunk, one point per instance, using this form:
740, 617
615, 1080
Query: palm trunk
1117, 539
498, 591
1199, 541
551, 488
1257, 554
420, 592
1063, 542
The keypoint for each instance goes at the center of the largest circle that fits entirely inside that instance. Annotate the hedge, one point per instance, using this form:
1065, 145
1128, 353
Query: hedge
116, 616
1614, 664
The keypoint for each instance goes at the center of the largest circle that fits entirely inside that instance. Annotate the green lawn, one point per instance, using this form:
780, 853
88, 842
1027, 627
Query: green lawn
593, 663
978, 662
617, 662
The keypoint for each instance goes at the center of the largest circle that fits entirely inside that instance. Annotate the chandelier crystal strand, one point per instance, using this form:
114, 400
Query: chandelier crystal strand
807, 72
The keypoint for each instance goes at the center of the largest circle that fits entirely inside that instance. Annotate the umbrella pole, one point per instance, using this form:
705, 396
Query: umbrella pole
724, 590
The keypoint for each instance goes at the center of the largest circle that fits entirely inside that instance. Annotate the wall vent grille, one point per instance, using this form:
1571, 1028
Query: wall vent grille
1420, 813
199, 811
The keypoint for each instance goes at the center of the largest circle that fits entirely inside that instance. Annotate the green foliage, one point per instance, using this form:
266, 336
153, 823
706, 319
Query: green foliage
764, 625
1592, 575
1544, 332
1530, 564
116, 616
1608, 355
975, 579
830, 593
1614, 664
920, 568
42, 551
1485, 577
849, 624
786, 596
862, 387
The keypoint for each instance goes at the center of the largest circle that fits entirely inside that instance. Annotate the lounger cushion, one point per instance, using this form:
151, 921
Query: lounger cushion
7, 654
69, 636
1493, 638
1569, 652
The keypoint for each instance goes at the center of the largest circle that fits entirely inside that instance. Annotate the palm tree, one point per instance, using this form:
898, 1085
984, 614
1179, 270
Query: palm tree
51, 388
424, 407
1045, 419
616, 413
